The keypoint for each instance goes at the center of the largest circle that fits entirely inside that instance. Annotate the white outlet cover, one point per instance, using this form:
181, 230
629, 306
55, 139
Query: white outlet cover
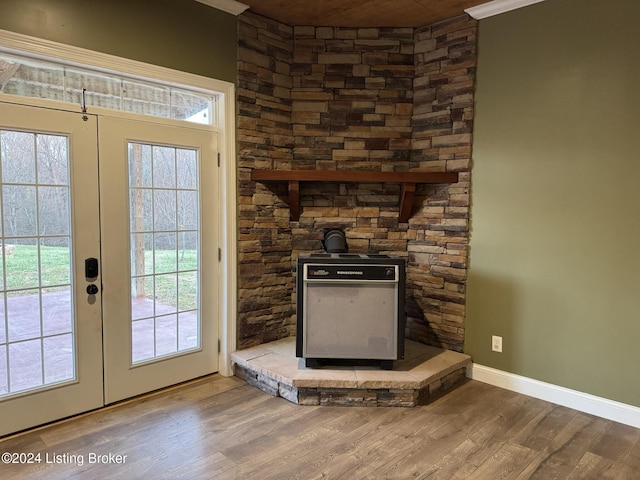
496, 343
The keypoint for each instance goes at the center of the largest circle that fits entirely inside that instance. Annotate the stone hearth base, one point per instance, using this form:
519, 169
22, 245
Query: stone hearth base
425, 373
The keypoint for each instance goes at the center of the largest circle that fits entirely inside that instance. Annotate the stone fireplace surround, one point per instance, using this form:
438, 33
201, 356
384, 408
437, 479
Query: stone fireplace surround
380, 99
423, 375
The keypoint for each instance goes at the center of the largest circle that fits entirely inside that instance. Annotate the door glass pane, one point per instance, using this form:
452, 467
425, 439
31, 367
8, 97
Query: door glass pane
37, 347
164, 222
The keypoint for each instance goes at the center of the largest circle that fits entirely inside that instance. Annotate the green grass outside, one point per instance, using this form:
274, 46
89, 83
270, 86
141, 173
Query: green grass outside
22, 272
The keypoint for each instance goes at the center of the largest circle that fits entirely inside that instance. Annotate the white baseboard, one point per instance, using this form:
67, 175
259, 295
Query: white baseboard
583, 402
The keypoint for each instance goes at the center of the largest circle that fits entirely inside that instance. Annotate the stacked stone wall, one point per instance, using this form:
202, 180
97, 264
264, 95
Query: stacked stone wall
383, 99
352, 106
265, 140
442, 124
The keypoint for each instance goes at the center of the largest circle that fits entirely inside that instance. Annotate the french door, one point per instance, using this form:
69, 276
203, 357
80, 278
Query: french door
159, 254
108, 271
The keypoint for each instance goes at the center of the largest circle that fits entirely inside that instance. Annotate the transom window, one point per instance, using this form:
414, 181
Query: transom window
42, 79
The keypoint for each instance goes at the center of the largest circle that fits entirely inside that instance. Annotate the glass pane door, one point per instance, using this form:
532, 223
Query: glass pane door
50, 340
160, 306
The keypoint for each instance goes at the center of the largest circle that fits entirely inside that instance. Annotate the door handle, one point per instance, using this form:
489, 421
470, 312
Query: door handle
91, 268
92, 289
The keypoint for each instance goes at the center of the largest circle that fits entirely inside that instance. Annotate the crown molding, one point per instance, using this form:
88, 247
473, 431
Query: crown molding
229, 6
496, 7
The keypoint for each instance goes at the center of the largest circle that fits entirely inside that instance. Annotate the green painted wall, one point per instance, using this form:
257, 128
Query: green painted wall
555, 240
179, 34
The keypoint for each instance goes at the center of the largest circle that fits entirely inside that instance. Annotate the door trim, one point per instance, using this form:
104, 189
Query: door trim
19, 44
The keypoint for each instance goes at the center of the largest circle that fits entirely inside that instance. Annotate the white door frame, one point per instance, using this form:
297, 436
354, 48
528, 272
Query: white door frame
19, 44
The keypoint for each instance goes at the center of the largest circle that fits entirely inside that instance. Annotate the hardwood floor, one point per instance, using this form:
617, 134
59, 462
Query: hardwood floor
222, 428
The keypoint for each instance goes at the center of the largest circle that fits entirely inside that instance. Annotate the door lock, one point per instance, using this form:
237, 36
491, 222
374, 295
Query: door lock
91, 268
92, 289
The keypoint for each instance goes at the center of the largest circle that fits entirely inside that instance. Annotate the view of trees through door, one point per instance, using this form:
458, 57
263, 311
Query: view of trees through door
36, 327
36, 331
164, 250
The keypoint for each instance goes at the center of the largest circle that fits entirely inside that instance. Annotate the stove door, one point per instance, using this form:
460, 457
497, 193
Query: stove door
350, 320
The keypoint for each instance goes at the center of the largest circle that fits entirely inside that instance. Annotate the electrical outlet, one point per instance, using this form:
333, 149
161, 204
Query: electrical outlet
496, 343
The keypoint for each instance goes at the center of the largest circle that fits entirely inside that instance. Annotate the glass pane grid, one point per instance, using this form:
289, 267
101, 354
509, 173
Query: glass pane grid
41, 79
164, 203
36, 315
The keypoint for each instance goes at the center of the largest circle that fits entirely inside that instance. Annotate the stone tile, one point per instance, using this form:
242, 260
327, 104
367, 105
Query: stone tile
386, 379
243, 357
439, 366
324, 377
273, 365
285, 347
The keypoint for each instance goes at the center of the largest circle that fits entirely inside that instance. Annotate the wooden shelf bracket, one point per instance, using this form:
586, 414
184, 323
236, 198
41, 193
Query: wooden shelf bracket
407, 193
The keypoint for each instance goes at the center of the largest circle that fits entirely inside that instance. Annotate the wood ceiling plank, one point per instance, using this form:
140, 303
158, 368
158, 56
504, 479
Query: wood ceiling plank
360, 13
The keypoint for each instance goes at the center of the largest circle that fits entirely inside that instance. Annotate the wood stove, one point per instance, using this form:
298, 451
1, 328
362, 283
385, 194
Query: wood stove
350, 309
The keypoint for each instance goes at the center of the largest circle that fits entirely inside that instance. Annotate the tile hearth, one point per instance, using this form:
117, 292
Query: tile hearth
425, 373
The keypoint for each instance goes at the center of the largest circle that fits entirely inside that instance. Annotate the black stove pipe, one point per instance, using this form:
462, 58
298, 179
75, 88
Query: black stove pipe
335, 241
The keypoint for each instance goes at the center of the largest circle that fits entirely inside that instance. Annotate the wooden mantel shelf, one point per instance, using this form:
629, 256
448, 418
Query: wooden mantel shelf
407, 180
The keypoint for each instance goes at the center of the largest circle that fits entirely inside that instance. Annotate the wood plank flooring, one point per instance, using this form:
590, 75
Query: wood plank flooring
222, 428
